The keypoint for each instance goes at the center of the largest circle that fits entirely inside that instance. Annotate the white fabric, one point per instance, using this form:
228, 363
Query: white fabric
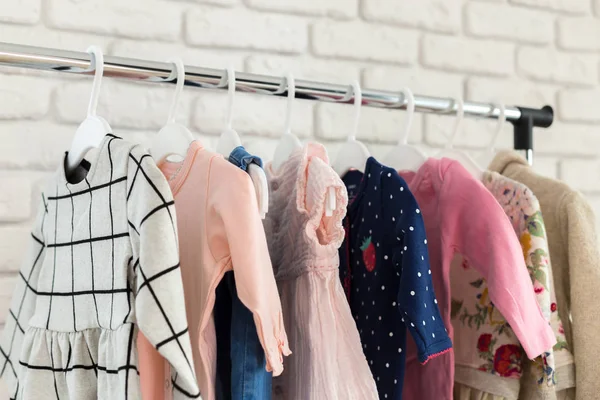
103, 260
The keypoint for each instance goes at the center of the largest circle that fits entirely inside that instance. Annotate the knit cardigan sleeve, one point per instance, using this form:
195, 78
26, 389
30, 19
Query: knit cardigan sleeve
159, 301
476, 226
22, 305
579, 233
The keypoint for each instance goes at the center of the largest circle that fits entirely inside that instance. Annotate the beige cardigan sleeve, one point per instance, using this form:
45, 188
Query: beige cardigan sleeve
579, 232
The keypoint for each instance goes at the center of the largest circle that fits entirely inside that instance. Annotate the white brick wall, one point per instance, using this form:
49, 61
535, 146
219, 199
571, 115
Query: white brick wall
524, 52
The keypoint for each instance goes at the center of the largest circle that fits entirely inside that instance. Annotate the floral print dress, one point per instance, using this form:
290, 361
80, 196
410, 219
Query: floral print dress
497, 351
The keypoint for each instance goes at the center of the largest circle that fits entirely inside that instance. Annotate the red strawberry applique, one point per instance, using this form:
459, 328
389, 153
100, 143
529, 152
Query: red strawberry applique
368, 254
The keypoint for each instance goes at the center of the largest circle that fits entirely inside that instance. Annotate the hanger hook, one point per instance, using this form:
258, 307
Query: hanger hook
357, 93
97, 60
410, 110
230, 95
180, 76
499, 126
460, 113
291, 95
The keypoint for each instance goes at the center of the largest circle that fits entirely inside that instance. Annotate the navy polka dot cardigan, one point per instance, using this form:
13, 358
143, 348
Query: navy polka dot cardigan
384, 268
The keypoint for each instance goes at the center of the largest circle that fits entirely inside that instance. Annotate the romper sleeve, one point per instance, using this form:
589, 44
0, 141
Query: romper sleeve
22, 305
475, 225
159, 301
237, 232
416, 299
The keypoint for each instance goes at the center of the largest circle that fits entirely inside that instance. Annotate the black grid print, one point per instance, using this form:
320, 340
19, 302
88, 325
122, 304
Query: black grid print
90, 254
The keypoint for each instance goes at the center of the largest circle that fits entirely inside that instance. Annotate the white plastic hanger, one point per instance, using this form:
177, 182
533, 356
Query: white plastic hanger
490, 152
173, 138
93, 129
405, 157
352, 154
460, 156
288, 142
230, 139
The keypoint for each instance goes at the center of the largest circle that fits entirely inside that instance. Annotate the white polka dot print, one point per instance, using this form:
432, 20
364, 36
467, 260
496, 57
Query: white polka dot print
376, 216
391, 334
394, 304
429, 272
399, 350
387, 365
418, 211
433, 318
394, 220
380, 317
389, 174
401, 188
391, 196
396, 380
398, 239
425, 241
375, 187
373, 302
382, 287
433, 335
405, 248
423, 323
378, 348
385, 257
435, 301
412, 292
369, 204
370, 231
411, 324
411, 228
425, 305
419, 274
422, 258
372, 332
369, 175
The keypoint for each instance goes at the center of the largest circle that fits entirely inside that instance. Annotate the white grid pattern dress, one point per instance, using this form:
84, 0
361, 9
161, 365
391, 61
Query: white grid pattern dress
103, 262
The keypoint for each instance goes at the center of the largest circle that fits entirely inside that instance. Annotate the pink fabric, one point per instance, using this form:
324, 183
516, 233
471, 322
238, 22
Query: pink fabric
328, 362
219, 230
464, 221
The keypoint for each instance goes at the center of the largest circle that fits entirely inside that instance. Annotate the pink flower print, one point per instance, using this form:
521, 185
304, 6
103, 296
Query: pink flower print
561, 329
465, 264
537, 287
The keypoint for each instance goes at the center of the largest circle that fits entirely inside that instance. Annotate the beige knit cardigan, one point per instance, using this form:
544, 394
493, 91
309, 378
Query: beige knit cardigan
570, 225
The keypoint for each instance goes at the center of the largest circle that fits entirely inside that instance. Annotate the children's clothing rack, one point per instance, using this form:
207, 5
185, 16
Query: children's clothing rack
524, 119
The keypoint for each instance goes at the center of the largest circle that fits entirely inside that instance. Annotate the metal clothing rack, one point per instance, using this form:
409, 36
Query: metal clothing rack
524, 119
